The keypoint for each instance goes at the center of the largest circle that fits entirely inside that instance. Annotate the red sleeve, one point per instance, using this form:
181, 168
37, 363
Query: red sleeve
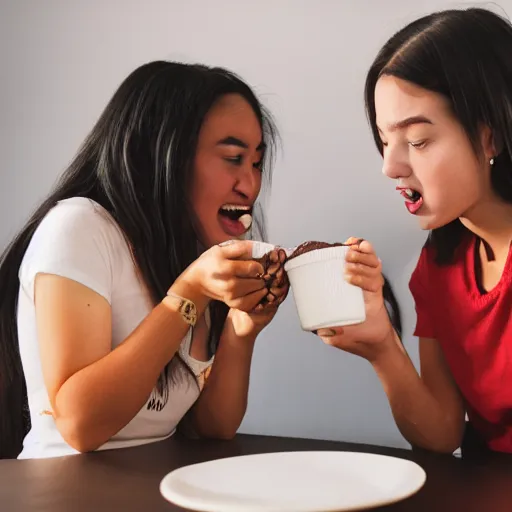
419, 289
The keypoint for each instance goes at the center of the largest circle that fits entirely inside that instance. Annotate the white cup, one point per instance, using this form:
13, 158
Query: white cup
322, 296
259, 249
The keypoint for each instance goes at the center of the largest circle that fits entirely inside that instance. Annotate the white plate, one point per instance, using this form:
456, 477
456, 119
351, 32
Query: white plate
293, 482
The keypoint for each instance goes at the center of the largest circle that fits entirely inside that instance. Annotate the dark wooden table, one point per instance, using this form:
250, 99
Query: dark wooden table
128, 479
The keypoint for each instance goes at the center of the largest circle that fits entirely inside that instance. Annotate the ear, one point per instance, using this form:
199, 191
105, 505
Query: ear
489, 142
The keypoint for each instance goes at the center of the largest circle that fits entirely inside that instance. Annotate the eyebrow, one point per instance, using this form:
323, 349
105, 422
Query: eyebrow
234, 141
405, 123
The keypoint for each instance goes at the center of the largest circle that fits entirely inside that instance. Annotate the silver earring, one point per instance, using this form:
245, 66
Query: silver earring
491, 161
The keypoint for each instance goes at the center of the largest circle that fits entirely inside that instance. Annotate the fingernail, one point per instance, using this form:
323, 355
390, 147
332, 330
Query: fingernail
227, 242
326, 333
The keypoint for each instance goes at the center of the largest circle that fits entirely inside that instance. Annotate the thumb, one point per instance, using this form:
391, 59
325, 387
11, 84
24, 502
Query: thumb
237, 249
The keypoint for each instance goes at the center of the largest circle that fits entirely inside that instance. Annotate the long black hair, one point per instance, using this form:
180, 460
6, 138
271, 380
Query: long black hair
136, 163
465, 55
392, 306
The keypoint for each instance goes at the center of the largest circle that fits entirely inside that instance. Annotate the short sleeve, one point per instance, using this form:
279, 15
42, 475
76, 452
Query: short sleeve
419, 289
72, 241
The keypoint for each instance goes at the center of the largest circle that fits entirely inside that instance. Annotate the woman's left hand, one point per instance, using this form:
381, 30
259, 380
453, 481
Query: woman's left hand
251, 323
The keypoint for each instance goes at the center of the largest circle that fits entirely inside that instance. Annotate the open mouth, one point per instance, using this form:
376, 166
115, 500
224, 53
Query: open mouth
413, 199
236, 219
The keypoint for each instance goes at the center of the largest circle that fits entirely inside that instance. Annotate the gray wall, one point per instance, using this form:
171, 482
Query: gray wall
61, 61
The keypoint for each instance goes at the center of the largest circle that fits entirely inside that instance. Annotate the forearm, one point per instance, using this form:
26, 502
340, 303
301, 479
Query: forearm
221, 406
99, 400
421, 418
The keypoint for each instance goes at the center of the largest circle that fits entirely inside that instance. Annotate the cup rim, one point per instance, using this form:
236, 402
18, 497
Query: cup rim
316, 256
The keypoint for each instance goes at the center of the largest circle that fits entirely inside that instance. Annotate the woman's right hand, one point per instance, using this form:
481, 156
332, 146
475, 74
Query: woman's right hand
375, 335
226, 273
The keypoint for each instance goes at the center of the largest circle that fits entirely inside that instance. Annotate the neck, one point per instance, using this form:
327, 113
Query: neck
491, 220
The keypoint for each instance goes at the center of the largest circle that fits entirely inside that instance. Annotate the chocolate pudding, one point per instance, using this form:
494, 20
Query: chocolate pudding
312, 246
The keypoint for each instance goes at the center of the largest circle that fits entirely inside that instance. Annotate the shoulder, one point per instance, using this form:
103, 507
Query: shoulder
78, 216
76, 239
425, 263
429, 270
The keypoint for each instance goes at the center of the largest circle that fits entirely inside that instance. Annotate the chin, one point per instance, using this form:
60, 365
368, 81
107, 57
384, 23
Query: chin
430, 222
427, 225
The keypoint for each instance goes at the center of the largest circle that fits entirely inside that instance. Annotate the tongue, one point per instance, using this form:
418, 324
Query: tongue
231, 226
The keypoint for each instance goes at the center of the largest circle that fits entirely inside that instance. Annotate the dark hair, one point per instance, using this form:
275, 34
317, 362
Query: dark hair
136, 164
465, 55
392, 307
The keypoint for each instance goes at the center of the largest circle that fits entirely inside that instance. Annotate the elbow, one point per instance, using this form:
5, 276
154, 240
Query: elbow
449, 445
452, 440
78, 434
442, 446
218, 433
445, 448
224, 435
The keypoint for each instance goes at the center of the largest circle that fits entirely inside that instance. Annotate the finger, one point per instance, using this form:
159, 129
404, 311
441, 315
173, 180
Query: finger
332, 336
276, 295
274, 264
244, 268
279, 291
363, 270
241, 287
369, 284
248, 302
329, 332
353, 241
236, 249
364, 246
281, 279
281, 298
369, 260
265, 309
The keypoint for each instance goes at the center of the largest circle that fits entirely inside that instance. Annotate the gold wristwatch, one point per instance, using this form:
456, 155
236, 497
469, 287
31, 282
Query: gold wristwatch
186, 308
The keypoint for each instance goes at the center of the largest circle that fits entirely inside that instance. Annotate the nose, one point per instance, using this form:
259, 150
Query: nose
248, 182
395, 165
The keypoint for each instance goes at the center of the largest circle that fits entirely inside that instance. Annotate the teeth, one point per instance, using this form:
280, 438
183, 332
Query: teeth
235, 207
409, 192
246, 220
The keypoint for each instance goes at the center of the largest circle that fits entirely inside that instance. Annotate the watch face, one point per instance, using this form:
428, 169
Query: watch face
188, 310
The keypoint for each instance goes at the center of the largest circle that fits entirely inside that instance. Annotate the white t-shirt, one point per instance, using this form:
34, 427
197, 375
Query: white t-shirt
79, 240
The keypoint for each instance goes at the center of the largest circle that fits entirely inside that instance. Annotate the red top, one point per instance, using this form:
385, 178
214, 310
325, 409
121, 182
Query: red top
474, 330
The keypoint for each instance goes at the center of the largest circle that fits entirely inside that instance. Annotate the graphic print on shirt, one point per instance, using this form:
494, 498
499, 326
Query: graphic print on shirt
157, 400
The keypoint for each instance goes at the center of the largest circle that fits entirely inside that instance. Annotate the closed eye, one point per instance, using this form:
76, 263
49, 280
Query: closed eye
237, 160
419, 144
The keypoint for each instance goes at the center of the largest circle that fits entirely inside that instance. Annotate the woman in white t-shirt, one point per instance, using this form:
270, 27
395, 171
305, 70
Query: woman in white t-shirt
131, 309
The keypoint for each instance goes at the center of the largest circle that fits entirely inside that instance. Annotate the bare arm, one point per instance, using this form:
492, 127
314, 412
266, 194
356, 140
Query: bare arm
428, 410
221, 406
95, 391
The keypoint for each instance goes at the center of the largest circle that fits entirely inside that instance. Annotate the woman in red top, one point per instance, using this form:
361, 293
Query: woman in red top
439, 100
